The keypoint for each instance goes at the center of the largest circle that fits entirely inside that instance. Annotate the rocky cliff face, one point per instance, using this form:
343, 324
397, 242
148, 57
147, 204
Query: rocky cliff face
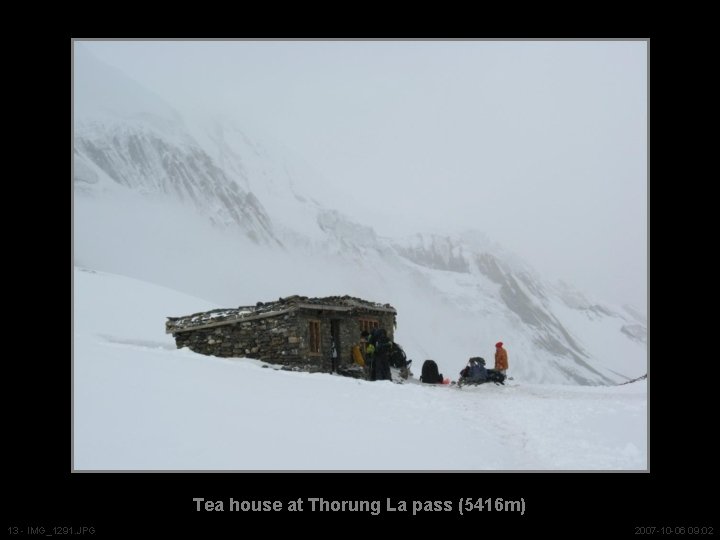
141, 159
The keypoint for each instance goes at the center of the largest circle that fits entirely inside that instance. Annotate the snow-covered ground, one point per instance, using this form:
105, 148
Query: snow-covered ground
141, 404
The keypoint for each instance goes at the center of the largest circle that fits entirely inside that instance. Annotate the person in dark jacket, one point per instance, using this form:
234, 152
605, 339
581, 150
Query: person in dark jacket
333, 357
475, 372
381, 360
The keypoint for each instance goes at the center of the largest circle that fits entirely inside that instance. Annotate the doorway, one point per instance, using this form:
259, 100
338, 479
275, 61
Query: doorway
335, 335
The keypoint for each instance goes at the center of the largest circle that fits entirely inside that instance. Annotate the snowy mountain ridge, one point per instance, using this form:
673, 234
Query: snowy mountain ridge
141, 159
466, 288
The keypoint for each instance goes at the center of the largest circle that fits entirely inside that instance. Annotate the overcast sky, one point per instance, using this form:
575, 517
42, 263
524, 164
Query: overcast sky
542, 145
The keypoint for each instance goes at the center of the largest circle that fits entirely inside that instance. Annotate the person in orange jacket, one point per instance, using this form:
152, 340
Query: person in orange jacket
501, 358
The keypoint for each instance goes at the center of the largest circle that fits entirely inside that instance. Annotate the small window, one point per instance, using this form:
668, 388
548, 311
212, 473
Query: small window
315, 337
368, 324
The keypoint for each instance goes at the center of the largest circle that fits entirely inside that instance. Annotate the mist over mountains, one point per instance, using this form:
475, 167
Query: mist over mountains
210, 208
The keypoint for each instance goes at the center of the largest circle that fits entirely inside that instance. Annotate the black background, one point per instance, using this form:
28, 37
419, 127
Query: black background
40, 489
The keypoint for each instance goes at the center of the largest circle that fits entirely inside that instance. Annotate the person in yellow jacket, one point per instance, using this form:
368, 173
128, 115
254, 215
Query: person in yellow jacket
359, 351
501, 358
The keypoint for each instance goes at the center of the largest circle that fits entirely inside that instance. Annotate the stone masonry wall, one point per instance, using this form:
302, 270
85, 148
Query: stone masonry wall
283, 339
268, 339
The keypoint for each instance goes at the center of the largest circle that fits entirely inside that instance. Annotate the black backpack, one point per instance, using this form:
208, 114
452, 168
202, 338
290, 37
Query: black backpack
430, 373
495, 376
397, 357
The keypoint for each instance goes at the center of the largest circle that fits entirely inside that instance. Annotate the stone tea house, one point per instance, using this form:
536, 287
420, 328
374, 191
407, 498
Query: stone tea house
296, 331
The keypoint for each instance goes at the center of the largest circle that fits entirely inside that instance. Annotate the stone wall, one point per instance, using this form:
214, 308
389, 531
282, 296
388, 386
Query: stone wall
283, 339
268, 339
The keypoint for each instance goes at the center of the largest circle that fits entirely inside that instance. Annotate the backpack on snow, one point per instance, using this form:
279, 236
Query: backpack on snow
430, 373
495, 376
465, 372
397, 357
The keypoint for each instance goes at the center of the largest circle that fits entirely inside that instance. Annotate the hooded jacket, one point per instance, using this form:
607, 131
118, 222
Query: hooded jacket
501, 358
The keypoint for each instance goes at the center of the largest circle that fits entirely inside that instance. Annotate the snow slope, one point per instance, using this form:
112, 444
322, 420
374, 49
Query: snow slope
140, 404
